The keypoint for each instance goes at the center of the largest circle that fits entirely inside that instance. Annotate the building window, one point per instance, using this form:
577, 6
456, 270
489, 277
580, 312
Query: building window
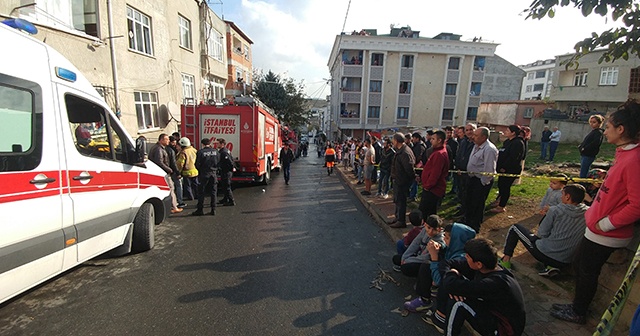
538, 87
407, 61
405, 87
214, 43
634, 82
185, 32
478, 63
454, 63
447, 114
609, 75
81, 15
374, 112
375, 86
528, 88
188, 88
472, 113
530, 75
139, 31
450, 89
476, 88
528, 112
541, 74
146, 109
377, 59
213, 90
403, 113
580, 78
246, 51
239, 76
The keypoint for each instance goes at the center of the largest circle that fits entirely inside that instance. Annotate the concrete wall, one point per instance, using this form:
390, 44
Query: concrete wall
502, 80
572, 132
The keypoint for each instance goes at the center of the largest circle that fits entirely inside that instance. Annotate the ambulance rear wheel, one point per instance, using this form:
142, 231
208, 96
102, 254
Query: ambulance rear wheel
266, 178
144, 229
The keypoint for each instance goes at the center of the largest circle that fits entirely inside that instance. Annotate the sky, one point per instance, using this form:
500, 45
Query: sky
294, 38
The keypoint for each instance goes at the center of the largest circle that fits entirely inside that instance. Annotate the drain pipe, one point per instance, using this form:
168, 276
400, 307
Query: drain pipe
114, 70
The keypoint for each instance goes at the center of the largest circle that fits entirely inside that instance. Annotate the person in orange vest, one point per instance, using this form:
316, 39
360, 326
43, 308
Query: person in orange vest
330, 158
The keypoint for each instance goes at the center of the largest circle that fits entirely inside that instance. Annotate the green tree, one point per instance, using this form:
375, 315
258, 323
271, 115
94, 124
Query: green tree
284, 96
620, 42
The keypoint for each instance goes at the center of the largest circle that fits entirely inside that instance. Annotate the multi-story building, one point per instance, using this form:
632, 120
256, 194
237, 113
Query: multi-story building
403, 81
502, 80
240, 69
592, 85
537, 81
143, 57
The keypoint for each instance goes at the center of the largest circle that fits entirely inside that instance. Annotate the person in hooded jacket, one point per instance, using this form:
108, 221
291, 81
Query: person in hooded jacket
509, 162
590, 146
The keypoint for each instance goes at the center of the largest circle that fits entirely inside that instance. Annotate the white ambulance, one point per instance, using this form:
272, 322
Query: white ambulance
72, 184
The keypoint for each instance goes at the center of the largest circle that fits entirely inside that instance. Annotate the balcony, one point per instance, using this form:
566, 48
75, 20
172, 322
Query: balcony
352, 70
404, 99
376, 72
237, 89
351, 97
406, 74
477, 76
375, 98
453, 76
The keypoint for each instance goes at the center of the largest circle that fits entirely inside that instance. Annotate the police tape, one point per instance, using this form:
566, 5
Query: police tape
611, 315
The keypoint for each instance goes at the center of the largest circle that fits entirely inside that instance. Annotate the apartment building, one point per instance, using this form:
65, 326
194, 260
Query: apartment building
592, 85
404, 81
538, 79
502, 80
164, 53
240, 69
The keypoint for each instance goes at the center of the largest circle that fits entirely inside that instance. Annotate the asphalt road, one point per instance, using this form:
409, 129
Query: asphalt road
287, 260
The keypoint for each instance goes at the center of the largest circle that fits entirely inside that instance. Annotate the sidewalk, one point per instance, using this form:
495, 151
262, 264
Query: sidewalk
539, 293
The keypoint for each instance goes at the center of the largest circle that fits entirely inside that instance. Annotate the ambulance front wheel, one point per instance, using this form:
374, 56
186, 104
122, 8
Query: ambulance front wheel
144, 229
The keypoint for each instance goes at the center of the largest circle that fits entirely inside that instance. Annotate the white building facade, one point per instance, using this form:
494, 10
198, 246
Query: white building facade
537, 81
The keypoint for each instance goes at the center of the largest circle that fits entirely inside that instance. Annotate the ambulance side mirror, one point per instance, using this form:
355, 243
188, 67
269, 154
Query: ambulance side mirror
138, 154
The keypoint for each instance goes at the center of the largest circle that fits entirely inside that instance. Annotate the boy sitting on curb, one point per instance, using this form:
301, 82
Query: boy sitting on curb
553, 195
416, 254
407, 238
455, 236
558, 235
481, 293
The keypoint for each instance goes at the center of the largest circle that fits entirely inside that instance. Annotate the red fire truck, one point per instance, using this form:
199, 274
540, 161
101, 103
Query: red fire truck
250, 128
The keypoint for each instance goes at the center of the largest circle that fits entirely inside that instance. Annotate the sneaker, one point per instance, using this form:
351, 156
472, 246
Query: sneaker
197, 213
365, 193
212, 213
569, 315
378, 194
504, 264
360, 182
398, 225
418, 305
562, 306
385, 196
434, 292
176, 210
397, 268
435, 320
549, 272
182, 205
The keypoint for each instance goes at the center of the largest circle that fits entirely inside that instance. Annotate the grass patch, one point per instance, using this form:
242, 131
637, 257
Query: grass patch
568, 153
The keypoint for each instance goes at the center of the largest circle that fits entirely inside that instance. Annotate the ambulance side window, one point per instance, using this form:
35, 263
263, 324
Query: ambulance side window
21, 124
92, 135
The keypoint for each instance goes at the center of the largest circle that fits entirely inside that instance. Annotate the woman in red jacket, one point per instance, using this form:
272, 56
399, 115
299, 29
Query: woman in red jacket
615, 209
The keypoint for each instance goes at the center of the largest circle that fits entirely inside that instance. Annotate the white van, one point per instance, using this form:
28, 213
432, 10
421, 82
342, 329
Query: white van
72, 185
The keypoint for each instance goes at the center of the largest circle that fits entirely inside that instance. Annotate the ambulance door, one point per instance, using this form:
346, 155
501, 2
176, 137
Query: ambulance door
32, 240
102, 185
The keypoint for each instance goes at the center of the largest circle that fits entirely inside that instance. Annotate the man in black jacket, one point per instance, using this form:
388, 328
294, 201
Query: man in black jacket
465, 146
590, 146
158, 155
403, 175
226, 172
207, 162
286, 157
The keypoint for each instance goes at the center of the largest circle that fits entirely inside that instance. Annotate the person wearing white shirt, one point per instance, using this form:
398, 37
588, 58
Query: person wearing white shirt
555, 141
483, 159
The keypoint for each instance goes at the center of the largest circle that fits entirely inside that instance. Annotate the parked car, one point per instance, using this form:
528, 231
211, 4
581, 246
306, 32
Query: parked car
554, 114
585, 117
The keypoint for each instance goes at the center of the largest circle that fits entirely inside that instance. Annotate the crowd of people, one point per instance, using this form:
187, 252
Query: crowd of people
194, 173
459, 276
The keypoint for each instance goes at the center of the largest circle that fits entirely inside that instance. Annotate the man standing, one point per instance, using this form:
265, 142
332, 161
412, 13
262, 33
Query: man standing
434, 174
186, 162
207, 162
483, 159
462, 159
403, 175
158, 155
375, 143
369, 161
286, 157
418, 148
226, 172
544, 142
452, 149
173, 150
555, 141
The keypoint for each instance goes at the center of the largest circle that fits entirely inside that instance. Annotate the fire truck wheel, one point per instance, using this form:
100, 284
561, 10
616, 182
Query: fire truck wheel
144, 229
266, 178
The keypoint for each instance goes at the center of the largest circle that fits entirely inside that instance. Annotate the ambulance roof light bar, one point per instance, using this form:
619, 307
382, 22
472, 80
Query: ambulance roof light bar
21, 24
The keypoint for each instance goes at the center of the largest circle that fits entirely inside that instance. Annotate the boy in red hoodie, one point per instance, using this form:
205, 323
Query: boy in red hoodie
610, 218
